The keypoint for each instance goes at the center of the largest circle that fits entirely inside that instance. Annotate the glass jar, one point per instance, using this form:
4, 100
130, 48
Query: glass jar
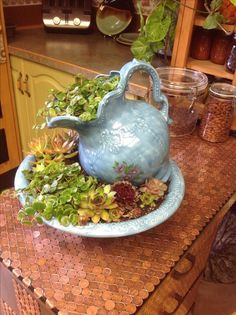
220, 47
201, 44
184, 89
233, 125
231, 59
217, 119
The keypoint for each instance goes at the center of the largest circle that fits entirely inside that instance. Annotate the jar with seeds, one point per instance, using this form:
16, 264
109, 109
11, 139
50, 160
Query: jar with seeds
217, 118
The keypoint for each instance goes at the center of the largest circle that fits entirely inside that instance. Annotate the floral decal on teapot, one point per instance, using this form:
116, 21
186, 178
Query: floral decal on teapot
127, 172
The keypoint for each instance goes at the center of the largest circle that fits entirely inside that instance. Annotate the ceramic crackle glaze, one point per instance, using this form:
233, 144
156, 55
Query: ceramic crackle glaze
129, 140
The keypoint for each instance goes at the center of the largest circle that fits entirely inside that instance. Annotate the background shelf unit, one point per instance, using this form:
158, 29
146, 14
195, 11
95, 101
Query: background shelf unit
187, 19
209, 68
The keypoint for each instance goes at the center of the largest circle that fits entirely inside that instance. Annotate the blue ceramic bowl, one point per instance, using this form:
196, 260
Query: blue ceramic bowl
167, 208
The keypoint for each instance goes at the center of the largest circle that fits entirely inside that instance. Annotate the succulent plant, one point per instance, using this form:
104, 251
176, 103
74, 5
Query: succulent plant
38, 146
126, 193
154, 186
151, 192
99, 204
132, 212
59, 147
64, 145
147, 200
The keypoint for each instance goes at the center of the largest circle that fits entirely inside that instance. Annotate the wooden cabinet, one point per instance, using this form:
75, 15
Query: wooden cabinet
15, 298
10, 155
32, 83
187, 19
177, 293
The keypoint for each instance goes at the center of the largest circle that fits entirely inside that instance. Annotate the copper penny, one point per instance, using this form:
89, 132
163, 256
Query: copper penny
86, 292
84, 283
59, 295
92, 310
109, 305
76, 290
149, 286
106, 295
137, 300
131, 308
143, 294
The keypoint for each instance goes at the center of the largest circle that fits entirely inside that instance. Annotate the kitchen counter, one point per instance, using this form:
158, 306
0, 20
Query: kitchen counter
88, 54
48, 272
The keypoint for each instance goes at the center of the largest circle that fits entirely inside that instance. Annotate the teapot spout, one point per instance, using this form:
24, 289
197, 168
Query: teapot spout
69, 122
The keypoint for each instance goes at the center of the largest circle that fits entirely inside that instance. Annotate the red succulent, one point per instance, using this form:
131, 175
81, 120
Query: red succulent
126, 193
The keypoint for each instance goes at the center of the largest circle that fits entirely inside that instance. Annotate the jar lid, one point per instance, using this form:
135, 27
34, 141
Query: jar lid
182, 80
223, 90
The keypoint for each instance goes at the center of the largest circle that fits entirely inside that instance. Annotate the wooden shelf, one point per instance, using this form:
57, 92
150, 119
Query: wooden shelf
209, 67
199, 19
187, 19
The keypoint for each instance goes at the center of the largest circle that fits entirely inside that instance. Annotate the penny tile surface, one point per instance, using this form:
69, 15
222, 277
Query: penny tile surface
115, 276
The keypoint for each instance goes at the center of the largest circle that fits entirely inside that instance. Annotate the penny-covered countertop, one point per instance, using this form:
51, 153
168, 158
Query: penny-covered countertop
78, 276
87, 54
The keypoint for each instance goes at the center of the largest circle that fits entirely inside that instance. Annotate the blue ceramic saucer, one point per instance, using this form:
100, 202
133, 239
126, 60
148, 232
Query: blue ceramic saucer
167, 208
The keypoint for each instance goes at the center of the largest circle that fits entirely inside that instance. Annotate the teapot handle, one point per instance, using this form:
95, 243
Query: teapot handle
127, 71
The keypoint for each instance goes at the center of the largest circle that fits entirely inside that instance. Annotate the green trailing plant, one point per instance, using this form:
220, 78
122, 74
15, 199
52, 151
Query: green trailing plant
157, 32
80, 99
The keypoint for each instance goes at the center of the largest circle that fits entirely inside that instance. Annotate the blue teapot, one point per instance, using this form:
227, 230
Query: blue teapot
129, 139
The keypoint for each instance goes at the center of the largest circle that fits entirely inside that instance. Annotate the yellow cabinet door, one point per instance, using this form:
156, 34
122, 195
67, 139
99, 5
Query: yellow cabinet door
10, 155
36, 82
23, 112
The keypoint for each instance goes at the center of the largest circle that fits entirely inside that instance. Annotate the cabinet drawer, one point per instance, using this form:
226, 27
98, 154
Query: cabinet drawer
171, 293
182, 278
187, 305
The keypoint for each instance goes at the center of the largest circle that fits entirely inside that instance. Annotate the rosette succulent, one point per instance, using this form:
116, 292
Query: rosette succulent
154, 186
99, 204
59, 147
126, 193
151, 192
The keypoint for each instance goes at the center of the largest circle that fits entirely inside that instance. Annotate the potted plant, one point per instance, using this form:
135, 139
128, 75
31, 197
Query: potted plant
156, 31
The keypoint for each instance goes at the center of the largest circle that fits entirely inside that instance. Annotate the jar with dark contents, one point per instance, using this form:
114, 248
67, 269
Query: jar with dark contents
217, 118
231, 59
185, 89
201, 44
220, 47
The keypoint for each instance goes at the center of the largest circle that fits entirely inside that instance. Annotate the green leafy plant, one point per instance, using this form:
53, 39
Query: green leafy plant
80, 99
219, 11
157, 32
